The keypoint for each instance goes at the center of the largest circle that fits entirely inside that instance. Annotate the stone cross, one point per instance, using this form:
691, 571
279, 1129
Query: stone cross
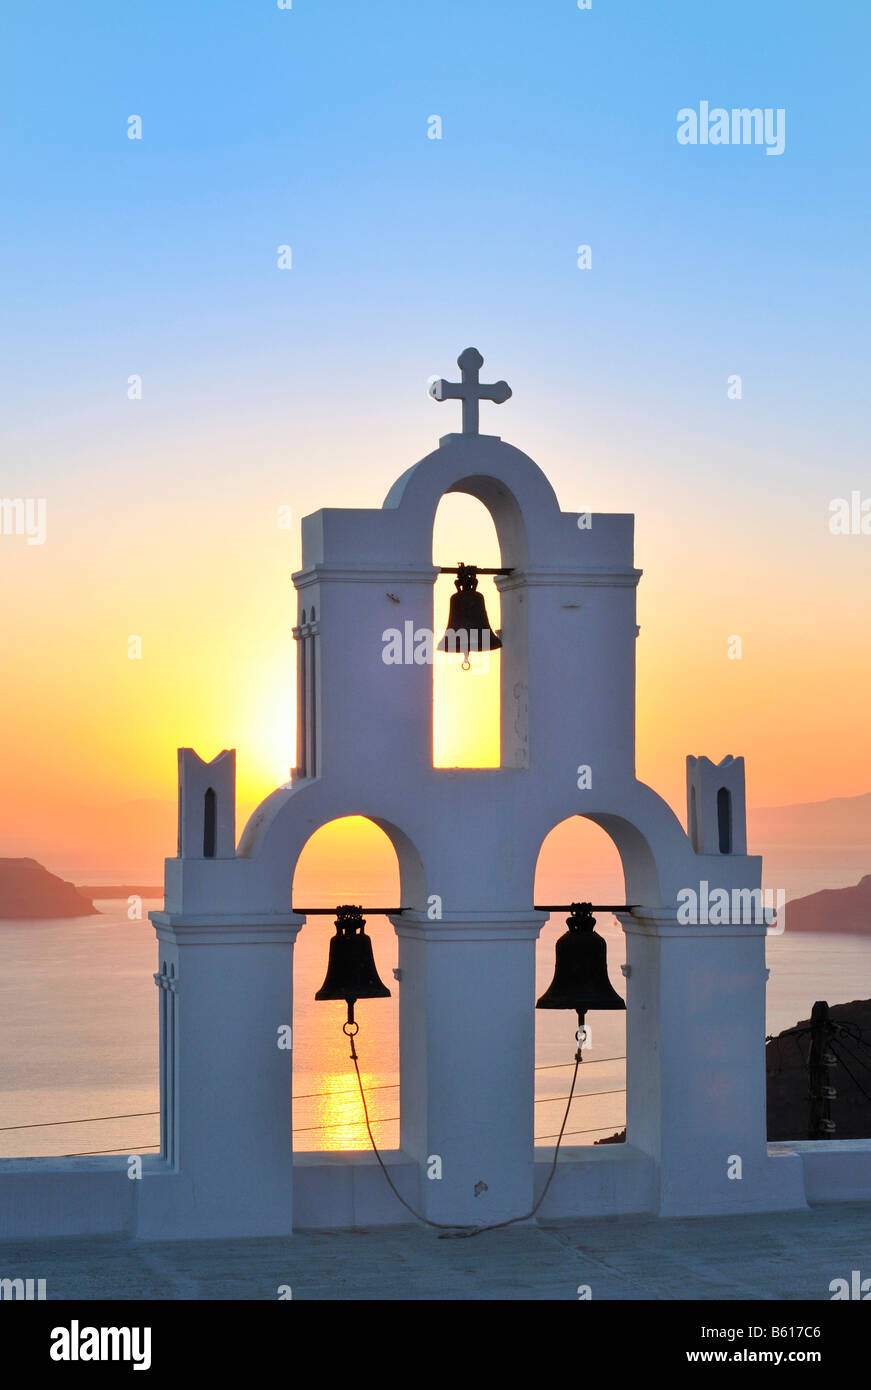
469, 390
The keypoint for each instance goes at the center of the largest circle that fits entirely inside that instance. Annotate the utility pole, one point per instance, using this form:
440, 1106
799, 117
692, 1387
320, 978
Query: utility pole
820, 1061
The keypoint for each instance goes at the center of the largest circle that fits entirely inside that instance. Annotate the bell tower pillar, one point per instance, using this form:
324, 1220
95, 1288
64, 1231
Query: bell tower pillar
467, 1061
695, 1066
225, 1000
225, 1067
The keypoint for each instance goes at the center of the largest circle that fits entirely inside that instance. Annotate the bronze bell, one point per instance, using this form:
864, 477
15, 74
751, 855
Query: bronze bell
351, 973
580, 979
468, 627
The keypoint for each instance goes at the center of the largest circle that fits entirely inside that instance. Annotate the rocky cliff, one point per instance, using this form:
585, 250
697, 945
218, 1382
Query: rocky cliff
27, 890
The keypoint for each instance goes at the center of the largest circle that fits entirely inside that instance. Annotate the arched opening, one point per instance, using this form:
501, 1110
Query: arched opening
210, 824
466, 703
349, 860
578, 861
724, 820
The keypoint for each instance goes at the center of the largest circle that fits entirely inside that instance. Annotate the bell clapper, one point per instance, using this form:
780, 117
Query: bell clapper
351, 1028
580, 1036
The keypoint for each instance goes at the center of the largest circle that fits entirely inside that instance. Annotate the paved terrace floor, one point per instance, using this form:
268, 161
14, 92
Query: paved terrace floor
785, 1255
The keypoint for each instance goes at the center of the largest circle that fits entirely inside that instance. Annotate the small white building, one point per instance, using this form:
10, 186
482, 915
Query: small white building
467, 839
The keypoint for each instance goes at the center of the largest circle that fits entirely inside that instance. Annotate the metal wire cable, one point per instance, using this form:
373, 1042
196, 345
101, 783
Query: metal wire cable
97, 1153
339, 1124
856, 1038
589, 1062
856, 1083
855, 1056
582, 1095
143, 1148
344, 1124
305, 1095
89, 1120
570, 1133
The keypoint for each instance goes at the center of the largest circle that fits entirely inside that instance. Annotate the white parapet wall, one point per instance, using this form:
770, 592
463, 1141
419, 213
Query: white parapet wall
50, 1198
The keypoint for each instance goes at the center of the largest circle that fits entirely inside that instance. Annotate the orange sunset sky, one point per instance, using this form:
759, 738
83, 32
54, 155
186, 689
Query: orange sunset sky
202, 576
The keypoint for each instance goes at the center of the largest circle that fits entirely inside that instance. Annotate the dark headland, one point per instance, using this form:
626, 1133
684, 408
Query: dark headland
832, 910
27, 890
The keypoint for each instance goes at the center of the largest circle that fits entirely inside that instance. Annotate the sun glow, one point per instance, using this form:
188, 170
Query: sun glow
466, 715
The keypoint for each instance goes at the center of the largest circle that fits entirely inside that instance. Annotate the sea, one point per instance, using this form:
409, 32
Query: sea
79, 1022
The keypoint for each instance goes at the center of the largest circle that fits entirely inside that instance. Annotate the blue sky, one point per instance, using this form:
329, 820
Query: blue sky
308, 127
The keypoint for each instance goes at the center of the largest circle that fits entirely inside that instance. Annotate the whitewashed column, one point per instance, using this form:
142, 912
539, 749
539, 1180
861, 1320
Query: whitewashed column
467, 1061
695, 1066
228, 1163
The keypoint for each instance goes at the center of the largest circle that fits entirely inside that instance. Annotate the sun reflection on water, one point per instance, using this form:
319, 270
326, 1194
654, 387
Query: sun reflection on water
339, 1116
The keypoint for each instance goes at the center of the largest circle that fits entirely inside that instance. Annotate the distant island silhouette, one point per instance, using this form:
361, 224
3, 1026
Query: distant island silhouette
837, 823
121, 890
28, 890
832, 910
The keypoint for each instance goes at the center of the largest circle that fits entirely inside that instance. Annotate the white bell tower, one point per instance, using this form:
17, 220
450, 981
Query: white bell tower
467, 839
